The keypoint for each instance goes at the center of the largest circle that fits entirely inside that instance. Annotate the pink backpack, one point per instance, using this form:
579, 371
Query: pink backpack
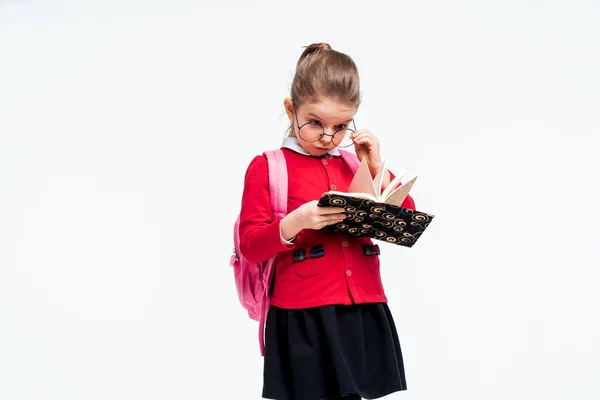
253, 281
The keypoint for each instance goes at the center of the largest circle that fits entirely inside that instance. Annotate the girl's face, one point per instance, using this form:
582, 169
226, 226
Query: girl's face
329, 113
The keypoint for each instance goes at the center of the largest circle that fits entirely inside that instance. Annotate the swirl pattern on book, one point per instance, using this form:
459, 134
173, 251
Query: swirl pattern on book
380, 221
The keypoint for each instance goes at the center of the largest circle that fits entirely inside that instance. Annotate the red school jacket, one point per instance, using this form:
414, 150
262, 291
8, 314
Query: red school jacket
344, 274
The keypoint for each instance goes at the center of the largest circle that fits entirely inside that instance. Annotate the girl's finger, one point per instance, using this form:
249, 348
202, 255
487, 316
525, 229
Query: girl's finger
333, 221
330, 210
361, 131
332, 218
327, 220
366, 141
357, 135
364, 135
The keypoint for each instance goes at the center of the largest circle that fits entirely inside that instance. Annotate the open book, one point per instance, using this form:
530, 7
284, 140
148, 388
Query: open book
365, 187
377, 213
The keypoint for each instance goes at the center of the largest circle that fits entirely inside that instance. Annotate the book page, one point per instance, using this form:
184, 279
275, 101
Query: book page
357, 195
378, 180
397, 196
392, 185
362, 181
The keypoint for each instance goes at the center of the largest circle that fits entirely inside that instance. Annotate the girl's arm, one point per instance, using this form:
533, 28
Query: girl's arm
260, 236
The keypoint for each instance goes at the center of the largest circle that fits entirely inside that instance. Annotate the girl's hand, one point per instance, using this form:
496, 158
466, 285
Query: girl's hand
367, 145
310, 216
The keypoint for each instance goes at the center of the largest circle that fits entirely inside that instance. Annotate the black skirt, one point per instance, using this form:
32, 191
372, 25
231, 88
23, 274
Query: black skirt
331, 352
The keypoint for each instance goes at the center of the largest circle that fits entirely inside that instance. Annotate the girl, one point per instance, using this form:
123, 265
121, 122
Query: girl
329, 331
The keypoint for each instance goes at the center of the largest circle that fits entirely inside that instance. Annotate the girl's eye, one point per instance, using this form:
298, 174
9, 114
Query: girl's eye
314, 122
340, 127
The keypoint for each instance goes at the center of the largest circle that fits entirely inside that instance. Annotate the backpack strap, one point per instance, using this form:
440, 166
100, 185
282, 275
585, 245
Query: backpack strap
350, 159
278, 185
278, 189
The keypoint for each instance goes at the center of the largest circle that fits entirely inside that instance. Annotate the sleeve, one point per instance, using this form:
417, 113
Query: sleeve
260, 235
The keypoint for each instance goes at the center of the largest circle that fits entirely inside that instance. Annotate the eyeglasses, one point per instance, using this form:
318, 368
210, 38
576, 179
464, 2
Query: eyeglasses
313, 131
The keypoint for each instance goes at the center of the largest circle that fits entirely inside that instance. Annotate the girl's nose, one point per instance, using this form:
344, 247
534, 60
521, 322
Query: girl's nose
326, 139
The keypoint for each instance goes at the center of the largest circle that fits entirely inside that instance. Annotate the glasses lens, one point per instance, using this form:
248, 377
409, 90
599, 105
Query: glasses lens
342, 138
310, 132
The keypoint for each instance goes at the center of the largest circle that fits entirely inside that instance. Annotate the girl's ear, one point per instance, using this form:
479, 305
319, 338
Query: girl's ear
289, 108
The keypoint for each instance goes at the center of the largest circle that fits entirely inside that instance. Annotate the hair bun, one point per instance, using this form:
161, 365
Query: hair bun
313, 48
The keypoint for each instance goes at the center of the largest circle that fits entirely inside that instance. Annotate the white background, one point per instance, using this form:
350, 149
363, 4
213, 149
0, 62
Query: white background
125, 130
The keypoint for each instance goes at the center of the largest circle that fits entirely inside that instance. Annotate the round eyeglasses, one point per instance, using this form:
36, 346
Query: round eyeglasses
313, 131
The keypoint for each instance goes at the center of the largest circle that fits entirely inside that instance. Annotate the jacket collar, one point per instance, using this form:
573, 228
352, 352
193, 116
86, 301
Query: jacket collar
293, 143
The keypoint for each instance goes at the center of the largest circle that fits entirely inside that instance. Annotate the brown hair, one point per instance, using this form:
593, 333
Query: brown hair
322, 72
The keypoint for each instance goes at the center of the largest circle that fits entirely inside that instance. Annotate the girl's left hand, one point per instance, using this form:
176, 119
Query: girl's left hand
367, 145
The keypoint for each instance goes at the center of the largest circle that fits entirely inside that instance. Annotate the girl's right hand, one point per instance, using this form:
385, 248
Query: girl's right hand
311, 216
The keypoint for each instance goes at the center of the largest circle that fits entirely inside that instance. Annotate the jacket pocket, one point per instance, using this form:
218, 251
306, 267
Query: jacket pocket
308, 262
373, 263
369, 252
308, 268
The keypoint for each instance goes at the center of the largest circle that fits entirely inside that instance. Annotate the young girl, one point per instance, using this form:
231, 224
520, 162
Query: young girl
329, 331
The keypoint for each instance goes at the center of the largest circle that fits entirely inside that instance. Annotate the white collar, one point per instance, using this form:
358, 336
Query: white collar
293, 143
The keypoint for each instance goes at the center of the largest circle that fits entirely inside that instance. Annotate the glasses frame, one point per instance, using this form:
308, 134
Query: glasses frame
323, 128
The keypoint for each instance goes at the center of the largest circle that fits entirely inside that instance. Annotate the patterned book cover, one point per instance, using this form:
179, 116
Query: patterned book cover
386, 222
